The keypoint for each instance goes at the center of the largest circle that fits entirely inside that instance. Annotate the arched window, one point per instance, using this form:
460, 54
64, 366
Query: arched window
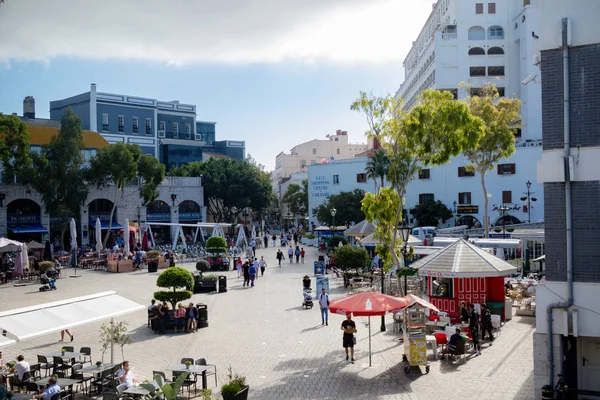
495, 32
476, 33
495, 51
476, 51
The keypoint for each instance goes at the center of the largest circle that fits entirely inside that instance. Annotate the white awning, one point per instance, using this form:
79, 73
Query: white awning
480, 242
30, 322
4, 341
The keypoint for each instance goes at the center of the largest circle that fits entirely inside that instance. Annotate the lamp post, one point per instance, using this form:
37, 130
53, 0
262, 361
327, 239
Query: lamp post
333, 211
173, 198
502, 210
454, 216
405, 233
529, 197
2, 197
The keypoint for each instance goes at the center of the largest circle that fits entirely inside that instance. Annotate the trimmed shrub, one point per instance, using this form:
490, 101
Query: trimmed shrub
175, 278
216, 245
351, 257
335, 240
202, 266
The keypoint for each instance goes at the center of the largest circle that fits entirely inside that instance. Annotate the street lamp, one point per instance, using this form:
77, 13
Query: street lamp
173, 198
333, 211
529, 197
502, 210
405, 234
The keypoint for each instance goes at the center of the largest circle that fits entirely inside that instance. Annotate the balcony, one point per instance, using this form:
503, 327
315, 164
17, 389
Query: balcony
449, 35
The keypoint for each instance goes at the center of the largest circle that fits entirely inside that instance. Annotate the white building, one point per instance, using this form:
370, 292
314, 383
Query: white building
295, 178
314, 152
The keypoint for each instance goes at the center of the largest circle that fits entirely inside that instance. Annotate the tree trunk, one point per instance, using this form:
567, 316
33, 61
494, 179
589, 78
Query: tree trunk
112, 212
485, 206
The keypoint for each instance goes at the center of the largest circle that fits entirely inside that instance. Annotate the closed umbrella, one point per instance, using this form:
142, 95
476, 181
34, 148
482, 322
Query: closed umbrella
25, 257
125, 239
98, 237
253, 231
367, 304
73, 232
19, 263
132, 238
145, 241
47, 251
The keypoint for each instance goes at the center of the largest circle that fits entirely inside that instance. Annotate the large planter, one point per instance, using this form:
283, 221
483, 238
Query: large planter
243, 395
204, 285
152, 265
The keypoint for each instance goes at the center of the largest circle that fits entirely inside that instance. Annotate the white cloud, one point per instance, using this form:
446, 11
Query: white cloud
182, 32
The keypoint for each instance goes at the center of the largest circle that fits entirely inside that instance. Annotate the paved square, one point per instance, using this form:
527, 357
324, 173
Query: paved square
265, 334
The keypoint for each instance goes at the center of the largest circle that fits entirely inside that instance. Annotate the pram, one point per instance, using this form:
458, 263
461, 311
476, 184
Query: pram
308, 300
283, 242
46, 286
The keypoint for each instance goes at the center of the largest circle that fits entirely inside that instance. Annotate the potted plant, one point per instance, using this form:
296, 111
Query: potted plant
510, 230
152, 257
187, 364
46, 265
523, 198
98, 364
63, 351
175, 278
202, 266
158, 389
114, 333
205, 283
235, 388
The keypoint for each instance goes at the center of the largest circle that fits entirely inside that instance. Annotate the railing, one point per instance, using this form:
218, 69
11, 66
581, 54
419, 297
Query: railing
449, 35
180, 181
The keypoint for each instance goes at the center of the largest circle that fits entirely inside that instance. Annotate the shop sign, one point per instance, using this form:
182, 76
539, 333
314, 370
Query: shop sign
103, 217
165, 217
190, 216
467, 209
23, 219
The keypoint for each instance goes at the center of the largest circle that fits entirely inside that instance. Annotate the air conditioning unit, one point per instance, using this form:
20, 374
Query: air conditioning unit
198, 136
161, 134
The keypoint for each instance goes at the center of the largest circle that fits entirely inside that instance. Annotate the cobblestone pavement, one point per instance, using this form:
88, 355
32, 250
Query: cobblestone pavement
282, 349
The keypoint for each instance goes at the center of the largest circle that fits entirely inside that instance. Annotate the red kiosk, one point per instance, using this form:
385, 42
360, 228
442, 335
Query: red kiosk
464, 272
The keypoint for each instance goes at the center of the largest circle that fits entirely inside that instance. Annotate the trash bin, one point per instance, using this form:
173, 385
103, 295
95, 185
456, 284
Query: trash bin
508, 311
202, 315
547, 392
322, 258
152, 266
222, 283
496, 307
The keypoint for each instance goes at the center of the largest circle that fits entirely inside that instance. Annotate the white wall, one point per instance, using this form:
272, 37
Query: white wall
584, 31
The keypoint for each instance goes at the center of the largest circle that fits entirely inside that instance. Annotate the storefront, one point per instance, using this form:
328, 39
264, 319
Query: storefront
159, 211
100, 209
189, 213
24, 221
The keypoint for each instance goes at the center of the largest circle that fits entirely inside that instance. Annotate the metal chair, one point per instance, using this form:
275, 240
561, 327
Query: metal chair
60, 367
161, 374
202, 361
458, 350
186, 383
45, 364
87, 355
80, 376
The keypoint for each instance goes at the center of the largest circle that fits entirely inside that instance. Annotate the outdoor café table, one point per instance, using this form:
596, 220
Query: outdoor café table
135, 390
62, 382
194, 369
431, 339
66, 356
21, 396
94, 369
433, 325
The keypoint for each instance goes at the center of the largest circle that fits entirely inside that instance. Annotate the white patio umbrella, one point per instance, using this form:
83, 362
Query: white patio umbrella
500, 253
126, 238
253, 231
340, 244
19, 262
25, 256
73, 233
98, 237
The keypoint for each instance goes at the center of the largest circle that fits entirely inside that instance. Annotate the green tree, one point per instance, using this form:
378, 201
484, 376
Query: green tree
378, 167
432, 132
14, 148
216, 245
175, 278
296, 198
121, 163
431, 212
501, 119
351, 257
58, 172
347, 205
335, 240
230, 186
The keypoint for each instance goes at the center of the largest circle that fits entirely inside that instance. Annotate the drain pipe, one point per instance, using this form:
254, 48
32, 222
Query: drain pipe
568, 215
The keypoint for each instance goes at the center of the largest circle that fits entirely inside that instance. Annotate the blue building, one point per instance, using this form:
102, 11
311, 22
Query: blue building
167, 130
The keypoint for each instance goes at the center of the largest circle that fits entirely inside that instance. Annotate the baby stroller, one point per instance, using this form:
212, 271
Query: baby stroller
46, 285
308, 299
283, 242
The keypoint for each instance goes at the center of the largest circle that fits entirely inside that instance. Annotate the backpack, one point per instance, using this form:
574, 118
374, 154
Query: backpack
321, 296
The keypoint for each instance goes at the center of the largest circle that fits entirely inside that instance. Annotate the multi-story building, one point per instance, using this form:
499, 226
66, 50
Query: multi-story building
167, 130
567, 336
464, 45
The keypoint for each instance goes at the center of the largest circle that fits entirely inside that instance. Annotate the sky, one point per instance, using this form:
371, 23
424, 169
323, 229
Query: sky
274, 73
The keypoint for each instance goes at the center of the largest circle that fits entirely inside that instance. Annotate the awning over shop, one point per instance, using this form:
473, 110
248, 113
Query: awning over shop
28, 228
4, 341
30, 322
104, 225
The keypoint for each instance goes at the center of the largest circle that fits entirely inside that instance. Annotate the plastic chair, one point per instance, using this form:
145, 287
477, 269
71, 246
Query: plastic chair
87, 355
186, 383
441, 339
45, 364
184, 360
83, 380
69, 349
202, 361
496, 323
32, 387
458, 350
162, 375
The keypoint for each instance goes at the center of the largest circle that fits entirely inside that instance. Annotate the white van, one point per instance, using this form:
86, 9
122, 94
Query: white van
428, 230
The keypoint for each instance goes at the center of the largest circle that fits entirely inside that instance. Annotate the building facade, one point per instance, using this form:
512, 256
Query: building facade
167, 130
567, 337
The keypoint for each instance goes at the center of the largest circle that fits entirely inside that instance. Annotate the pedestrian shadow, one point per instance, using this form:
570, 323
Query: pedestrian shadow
314, 328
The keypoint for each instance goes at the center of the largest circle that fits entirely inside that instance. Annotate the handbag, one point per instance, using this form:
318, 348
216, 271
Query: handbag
354, 339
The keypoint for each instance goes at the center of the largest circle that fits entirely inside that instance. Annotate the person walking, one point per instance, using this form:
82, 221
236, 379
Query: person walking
291, 254
324, 303
238, 266
62, 335
349, 328
474, 329
274, 240
252, 271
253, 245
297, 253
256, 266
486, 323
246, 271
266, 240
302, 253
279, 257
262, 264
464, 313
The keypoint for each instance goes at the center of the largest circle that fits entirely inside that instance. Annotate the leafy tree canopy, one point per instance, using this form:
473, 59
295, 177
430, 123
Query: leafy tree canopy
431, 212
335, 240
14, 147
216, 245
501, 118
58, 171
176, 278
296, 198
378, 166
230, 185
347, 205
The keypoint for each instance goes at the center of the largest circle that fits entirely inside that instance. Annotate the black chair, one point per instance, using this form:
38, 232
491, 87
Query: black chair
35, 371
103, 380
87, 355
161, 374
45, 364
32, 388
202, 361
60, 367
55, 396
184, 360
186, 383
83, 379
21, 383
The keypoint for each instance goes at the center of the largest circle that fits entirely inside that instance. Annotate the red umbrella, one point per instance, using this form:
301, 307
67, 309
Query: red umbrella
145, 241
132, 240
367, 304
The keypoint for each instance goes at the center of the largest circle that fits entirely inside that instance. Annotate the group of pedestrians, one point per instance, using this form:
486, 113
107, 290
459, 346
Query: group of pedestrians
250, 269
477, 324
298, 252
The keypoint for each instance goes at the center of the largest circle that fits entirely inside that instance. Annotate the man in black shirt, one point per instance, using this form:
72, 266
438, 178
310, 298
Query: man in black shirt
349, 328
246, 271
474, 329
